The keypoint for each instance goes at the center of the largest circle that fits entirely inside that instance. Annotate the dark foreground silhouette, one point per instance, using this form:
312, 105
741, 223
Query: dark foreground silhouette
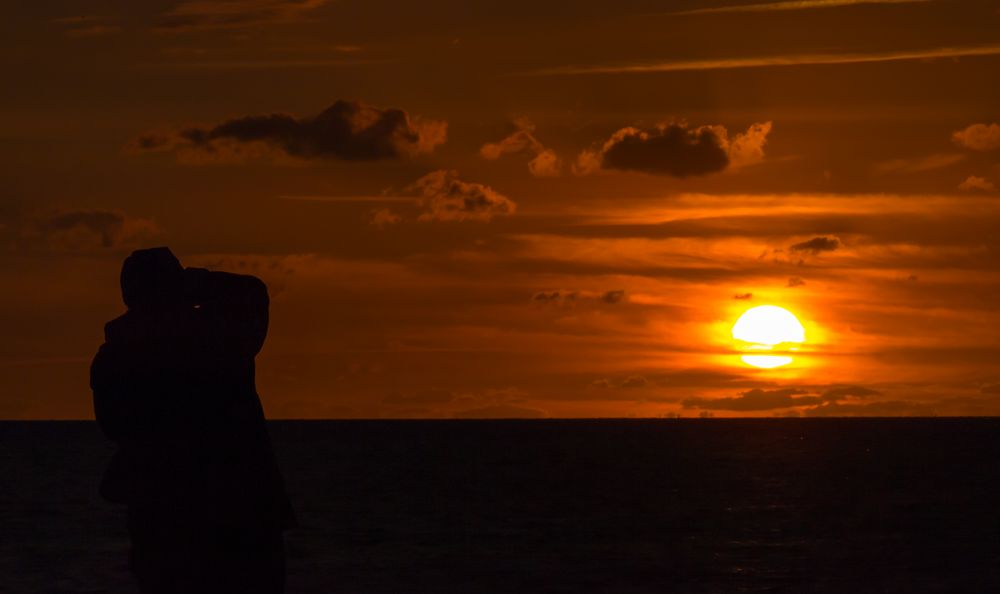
174, 388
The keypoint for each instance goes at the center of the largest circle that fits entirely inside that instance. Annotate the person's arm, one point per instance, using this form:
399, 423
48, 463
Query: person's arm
122, 411
234, 307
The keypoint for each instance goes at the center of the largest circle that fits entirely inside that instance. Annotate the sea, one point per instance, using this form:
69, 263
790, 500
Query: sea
562, 506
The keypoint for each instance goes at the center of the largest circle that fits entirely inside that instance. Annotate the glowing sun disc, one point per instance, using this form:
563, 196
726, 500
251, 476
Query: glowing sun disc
768, 329
768, 326
766, 361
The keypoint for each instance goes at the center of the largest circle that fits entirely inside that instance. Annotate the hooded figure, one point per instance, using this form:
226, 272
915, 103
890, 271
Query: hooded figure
174, 387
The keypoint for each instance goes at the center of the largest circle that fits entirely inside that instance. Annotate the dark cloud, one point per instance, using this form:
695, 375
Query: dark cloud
842, 392
85, 229
501, 411
444, 197
817, 245
756, 400
569, 297
676, 150
555, 297
743, 297
990, 389
795, 282
836, 400
634, 381
885, 408
227, 14
347, 130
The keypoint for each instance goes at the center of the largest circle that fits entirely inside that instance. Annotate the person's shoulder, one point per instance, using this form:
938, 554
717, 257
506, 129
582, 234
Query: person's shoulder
116, 328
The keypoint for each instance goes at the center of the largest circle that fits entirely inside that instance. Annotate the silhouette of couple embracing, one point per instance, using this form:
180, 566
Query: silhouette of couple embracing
174, 387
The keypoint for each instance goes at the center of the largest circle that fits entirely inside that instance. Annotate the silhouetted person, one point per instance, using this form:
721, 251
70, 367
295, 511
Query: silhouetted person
174, 388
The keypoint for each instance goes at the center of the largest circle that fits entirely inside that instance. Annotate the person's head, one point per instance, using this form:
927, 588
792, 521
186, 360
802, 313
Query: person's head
152, 279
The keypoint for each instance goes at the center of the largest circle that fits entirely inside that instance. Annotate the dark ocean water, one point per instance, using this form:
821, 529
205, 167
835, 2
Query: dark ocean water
615, 506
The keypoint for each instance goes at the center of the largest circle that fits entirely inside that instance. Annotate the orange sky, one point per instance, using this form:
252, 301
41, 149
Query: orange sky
518, 208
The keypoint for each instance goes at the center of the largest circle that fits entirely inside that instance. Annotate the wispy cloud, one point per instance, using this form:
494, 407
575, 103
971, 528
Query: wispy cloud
226, 14
372, 198
772, 61
799, 5
928, 163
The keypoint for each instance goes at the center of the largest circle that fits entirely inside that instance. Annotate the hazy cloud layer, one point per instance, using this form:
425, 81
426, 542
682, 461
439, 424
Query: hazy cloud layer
83, 229
676, 150
347, 130
978, 137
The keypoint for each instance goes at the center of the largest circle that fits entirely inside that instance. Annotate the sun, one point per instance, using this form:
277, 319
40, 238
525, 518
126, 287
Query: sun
768, 329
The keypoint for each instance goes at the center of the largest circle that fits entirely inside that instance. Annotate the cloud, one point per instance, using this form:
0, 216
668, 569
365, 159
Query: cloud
990, 389
978, 137
795, 281
95, 31
630, 382
793, 5
837, 393
75, 230
755, 400
974, 182
347, 130
569, 298
634, 381
87, 26
772, 61
234, 14
743, 296
444, 197
817, 245
544, 163
747, 148
677, 150
501, 411
929, 163
885, 408
382, 217
555, 297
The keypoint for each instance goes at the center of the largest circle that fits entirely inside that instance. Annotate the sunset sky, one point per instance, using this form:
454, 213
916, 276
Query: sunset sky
496, 209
